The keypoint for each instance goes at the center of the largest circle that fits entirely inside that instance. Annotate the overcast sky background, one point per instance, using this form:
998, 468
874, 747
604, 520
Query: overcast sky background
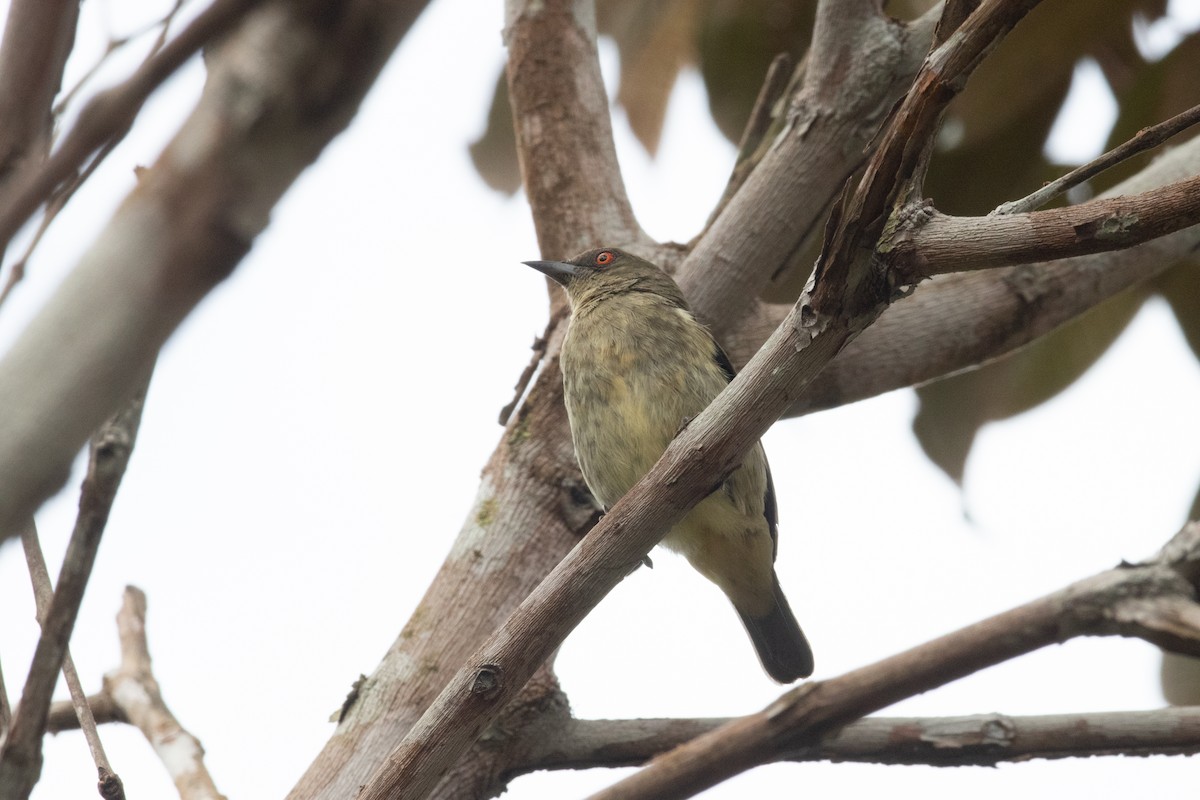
314, 435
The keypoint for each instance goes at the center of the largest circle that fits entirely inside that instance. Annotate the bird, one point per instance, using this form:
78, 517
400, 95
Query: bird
637, 366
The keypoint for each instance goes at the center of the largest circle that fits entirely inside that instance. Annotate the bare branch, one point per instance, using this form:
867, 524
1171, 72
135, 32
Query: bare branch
135, 692
942, 244
38, 37
958, 321
564, 132
1154, 601
1145, 139
21, 756
108, 115
262, 119
63, 718
43, 591
826, 129
979, 740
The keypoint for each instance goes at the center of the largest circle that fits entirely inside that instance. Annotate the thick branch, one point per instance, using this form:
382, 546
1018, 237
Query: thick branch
38, 37
978, 740
564, 132
1155, 601
861, 63
109, 114
532, 505
278, 91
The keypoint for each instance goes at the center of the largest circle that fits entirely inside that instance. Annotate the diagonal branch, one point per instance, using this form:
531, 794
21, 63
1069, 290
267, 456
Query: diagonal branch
277, 93
1155, 601
109, 114
110, 785
21, 756
1145, 139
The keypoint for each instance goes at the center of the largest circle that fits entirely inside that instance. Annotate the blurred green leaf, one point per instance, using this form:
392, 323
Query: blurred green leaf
494, 153
952, 410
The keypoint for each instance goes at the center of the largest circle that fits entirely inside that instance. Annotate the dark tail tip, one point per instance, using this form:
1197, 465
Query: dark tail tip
782, 648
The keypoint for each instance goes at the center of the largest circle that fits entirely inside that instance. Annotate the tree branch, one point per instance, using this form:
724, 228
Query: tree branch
136, 695
109, 114
278, 91
38, 37
957, 321
940, 244
860, 63
110, 785
711, 446
21, 756
1155, 601
975, 740
1145, 139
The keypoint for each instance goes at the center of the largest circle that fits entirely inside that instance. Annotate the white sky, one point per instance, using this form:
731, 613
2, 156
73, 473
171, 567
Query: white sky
314, 435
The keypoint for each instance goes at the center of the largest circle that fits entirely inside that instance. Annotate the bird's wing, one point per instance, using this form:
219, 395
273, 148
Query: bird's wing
770, 510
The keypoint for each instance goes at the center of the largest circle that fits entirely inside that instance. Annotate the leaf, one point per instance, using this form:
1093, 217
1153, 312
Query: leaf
1180, 287
737, 42
655, 40
494, 153
952, 410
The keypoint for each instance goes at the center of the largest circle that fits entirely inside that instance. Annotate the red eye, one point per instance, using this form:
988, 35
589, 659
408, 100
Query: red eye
604, 258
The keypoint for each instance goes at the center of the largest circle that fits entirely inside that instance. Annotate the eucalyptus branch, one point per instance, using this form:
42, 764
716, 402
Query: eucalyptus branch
1154, 600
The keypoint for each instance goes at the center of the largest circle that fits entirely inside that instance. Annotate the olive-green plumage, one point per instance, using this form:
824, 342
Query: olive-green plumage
636, 366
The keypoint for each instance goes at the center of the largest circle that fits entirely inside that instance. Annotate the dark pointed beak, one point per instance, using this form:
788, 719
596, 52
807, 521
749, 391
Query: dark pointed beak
559, 271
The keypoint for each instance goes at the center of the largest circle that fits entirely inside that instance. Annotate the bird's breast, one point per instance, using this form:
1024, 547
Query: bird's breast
632, 375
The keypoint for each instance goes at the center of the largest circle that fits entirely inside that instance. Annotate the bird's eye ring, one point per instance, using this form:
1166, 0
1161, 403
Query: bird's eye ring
604, 258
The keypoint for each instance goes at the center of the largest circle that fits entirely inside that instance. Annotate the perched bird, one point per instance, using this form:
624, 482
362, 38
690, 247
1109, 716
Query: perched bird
636, 367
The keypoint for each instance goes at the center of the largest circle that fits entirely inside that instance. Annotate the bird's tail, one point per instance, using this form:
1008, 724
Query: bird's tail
784, 652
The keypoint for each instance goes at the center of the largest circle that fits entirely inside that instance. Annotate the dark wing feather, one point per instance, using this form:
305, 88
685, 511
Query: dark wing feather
770, 510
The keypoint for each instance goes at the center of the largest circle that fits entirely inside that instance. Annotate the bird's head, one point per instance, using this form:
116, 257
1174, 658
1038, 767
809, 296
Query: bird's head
606, 272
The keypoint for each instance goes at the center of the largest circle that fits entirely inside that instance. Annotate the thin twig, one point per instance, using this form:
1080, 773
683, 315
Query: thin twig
539, 352
114, 44
20, 758
1145, 139
43, 593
